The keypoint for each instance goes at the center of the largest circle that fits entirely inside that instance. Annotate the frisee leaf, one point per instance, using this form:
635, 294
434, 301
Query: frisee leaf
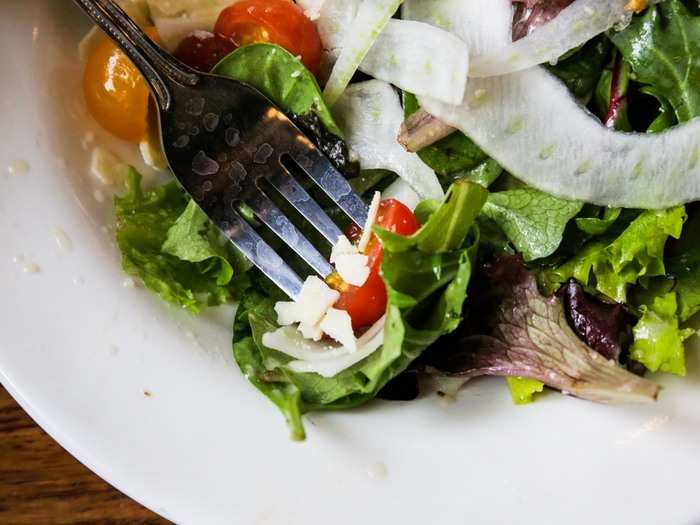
612, 265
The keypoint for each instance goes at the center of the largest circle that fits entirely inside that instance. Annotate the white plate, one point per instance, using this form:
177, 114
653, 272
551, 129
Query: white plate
79, 350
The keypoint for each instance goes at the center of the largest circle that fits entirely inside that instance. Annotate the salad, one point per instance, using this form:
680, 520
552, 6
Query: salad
531, 169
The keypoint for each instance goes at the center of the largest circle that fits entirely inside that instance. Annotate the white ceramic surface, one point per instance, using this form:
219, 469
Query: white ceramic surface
79, 350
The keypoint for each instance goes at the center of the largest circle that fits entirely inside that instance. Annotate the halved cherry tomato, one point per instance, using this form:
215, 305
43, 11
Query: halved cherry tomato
280, 22
367, 303
115, 92
202, 50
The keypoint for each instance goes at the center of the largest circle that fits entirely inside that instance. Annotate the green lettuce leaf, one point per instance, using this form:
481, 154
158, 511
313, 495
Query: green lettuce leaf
148, 222
581, 70
532, 220
685, 269
658, 338
612, 265
426, 277
523, 389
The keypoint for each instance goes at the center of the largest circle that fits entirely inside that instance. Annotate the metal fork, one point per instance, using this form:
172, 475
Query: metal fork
222, 139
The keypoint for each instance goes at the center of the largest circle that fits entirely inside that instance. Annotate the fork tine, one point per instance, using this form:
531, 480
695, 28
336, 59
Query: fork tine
298, 197
247, 240
272, 216
324, 173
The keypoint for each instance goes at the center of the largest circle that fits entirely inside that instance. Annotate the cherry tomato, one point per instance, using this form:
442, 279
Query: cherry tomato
280, 22
115, 92
367, 303
202, 50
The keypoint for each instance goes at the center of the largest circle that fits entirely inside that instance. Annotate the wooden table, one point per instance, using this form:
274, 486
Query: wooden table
40, 483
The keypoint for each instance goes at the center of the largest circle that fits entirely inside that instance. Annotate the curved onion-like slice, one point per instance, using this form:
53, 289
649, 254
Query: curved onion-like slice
413, 56
327, 360
370, 115
574, 26
533, 127
421, 59
485, 25
372, 16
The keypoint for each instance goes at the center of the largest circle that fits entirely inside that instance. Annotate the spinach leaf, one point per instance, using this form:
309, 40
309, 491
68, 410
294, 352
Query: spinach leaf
281, 77
532, 220
148, 221
662, 46
426, 291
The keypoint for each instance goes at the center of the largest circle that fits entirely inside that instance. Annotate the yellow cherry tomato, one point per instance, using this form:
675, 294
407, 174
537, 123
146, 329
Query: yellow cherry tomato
115, 92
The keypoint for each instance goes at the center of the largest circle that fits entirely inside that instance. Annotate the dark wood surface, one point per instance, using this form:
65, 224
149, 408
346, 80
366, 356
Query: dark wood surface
40, 483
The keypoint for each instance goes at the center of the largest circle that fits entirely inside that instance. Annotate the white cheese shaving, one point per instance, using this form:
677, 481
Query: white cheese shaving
342, 247
107, 168
371, 219
315, 298
338, 325
353, 269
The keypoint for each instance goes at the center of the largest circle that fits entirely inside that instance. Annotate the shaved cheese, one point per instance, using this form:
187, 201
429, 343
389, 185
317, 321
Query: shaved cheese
107, 168
312, 8
370, 114
531, 125
371, 220
315, 298
574, 26
342, 247
338, 325
311, 331
372, 16
353, 268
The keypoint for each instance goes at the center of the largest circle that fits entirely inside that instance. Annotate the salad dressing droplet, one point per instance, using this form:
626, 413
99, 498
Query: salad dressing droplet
18, 168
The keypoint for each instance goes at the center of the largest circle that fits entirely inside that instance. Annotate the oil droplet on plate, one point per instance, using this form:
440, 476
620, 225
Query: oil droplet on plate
18, 168
377, 471
63, 242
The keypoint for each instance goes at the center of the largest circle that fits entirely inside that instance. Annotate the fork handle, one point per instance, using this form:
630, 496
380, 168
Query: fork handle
161, 70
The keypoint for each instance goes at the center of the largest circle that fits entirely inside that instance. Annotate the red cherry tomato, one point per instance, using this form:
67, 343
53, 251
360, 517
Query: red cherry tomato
280, 22
202, 50
367, 303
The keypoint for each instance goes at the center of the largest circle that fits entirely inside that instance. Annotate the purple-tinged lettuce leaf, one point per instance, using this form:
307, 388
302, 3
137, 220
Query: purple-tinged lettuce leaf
602, 326
531, 338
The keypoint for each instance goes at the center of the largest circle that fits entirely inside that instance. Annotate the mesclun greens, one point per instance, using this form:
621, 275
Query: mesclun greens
501, 278
426, 277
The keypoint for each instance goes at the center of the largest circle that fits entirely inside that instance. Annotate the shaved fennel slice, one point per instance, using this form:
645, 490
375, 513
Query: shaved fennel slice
420, 58
574, 26
533, 127
485, 25
322, 358
372, 16
335, 17
370, 115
